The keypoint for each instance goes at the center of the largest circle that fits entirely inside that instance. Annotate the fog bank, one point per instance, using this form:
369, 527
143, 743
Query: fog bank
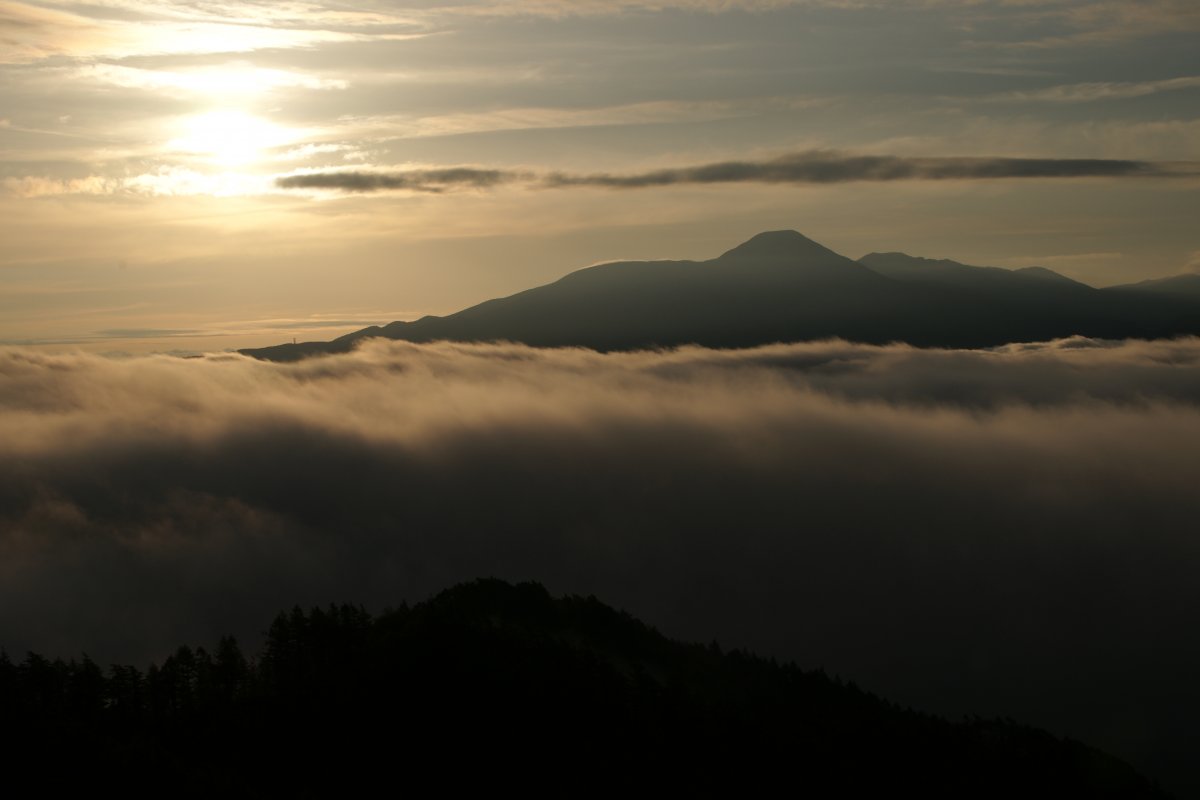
1004, 532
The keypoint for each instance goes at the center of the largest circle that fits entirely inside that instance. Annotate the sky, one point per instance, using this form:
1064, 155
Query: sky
189, 176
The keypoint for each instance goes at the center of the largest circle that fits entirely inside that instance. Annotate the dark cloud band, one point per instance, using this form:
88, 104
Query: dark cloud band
424, 180
815, 167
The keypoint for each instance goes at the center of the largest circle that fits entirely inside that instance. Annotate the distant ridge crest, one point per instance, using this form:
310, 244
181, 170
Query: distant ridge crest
776, 246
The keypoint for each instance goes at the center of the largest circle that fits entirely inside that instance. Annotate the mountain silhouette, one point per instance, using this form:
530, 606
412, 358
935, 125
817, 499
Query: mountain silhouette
782, 286
1179, 286
943, 272
489, 685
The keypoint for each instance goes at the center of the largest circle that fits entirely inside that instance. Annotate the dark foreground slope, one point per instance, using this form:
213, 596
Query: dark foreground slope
500, 685
782, 286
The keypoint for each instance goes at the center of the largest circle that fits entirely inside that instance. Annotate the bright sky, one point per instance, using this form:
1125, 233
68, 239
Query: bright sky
210, 175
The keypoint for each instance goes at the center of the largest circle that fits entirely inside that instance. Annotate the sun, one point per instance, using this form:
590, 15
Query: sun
229, 138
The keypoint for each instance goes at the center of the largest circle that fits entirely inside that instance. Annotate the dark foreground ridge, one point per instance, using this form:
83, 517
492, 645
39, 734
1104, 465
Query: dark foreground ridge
501, 685
781, 286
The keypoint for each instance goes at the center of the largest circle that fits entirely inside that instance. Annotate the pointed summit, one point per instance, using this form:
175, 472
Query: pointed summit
778, 246
781, 286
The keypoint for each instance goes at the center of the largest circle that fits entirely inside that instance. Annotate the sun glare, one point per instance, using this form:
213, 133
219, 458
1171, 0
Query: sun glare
218, 83
229, 138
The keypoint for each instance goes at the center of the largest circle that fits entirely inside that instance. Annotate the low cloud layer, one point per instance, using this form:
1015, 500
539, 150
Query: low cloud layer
1004, 532
813, 167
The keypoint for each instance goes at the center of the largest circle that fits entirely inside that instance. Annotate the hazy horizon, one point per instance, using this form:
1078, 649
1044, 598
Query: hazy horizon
219, 335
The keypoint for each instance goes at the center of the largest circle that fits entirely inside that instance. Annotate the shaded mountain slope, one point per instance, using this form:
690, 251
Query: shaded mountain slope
782, 286
1034, 298
944, 272
490, 684
1178, 286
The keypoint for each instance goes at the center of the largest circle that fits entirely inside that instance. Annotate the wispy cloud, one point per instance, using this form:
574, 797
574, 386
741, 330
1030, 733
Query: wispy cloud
1087, 92
1092, 22
145, 333
831, 167
40, 186
812, 167
36, 30
420, 180
563, 8
541, 118
30, 32
227, 81
166, 181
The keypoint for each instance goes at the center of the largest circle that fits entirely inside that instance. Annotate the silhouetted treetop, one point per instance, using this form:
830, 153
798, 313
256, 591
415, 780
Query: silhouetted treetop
495, 684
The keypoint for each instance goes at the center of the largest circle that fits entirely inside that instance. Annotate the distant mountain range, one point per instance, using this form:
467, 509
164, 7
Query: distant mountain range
782, 286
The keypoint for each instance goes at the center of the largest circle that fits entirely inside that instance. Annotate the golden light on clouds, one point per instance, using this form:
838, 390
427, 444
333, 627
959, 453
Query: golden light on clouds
234, 80
32, 32
229, 137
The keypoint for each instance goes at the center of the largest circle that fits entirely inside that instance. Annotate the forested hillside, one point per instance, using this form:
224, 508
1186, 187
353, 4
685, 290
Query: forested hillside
489, 683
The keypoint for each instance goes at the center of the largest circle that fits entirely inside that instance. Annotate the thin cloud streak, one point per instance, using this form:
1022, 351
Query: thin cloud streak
1099, 90
812, 167
421, 180
822, 167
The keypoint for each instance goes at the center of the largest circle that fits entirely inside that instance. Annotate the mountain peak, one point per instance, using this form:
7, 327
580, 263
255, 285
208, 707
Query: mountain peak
776, 246
781, 286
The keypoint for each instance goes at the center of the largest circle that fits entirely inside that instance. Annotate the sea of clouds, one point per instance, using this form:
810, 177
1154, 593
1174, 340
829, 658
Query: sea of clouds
1010, 531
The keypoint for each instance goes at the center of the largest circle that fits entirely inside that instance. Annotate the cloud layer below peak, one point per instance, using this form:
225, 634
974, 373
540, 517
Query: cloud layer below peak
1021, 519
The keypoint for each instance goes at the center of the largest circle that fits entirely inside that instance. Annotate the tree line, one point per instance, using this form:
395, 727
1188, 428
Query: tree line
492, 684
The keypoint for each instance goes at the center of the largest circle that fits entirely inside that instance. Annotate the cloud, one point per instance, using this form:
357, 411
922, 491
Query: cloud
1009, 531
811, 167
831, 167
1193, 263
540, 118
1102, 90
123, 28
420, 180
165, 181
1045, 24
145, 333
577, 8
565, 8
228, 81
1083, 12
39, 186
1102, 21
30, 33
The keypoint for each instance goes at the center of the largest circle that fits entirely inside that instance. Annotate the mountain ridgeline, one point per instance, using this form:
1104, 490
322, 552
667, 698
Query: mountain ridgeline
490, 685
781, 286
